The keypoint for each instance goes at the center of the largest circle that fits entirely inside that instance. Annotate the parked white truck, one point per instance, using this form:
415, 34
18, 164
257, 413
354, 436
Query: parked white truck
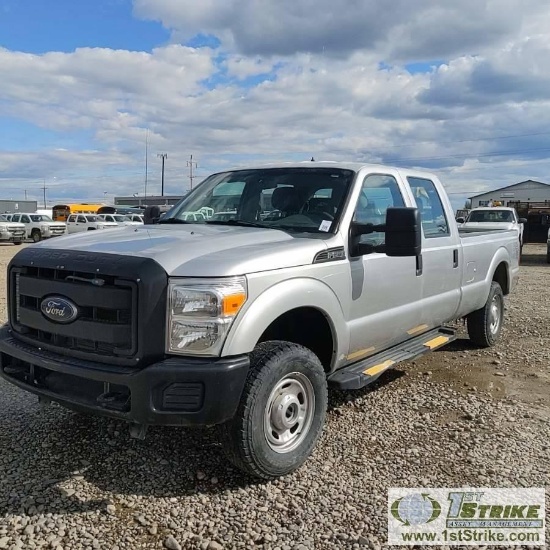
40, 226
76, 223
11, 232
326, 274
493, 218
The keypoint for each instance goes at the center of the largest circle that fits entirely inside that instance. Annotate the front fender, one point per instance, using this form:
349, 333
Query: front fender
279, 299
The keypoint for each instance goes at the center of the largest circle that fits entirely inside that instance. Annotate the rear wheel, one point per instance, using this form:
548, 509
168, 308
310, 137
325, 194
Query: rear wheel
282, 411
485, 324
548, 255
36, 236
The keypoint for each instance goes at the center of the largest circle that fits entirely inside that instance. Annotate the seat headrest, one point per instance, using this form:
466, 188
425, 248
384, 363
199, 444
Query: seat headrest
285, 199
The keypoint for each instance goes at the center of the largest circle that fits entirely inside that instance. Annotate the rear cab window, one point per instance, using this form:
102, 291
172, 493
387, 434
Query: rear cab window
432, 212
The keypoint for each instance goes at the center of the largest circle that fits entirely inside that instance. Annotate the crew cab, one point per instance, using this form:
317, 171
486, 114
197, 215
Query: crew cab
87, 222
326, 275
11, 232
40, 226
488, 218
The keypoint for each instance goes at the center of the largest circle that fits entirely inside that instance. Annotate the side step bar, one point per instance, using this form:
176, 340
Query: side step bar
360, 374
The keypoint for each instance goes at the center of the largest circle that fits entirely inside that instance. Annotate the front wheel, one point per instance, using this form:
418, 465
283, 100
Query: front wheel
282, 411
36, 236
485, 324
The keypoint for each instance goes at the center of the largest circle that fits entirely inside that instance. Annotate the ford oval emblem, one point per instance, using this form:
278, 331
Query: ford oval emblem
58, 309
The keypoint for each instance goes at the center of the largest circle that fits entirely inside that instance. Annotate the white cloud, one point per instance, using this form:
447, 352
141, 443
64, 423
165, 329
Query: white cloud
326, 97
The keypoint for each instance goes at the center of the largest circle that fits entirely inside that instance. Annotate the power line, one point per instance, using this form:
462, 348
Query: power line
470, 155
490, 138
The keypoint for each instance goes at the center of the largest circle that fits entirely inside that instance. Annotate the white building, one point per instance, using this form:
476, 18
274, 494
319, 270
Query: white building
525, 191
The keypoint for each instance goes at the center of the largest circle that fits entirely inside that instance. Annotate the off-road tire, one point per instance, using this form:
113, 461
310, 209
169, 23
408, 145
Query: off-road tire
481, 328
244, 438
36, 236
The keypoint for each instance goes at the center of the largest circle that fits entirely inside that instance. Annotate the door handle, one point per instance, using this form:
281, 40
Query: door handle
455, 258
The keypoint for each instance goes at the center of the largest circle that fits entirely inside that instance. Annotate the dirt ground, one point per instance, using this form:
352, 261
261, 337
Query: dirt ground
518, 365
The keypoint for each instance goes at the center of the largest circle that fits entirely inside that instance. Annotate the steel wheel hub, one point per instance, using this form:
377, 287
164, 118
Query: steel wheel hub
495, 315
289, 412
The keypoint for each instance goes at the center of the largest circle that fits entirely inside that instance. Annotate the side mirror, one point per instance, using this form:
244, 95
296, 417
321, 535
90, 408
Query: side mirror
523, 220
403, 233
151, 215
461, 220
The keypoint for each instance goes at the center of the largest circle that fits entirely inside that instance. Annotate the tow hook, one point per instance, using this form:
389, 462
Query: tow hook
44, 402
138, 431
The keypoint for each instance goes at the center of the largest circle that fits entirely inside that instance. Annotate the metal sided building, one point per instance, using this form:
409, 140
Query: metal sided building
525, 191
14, 207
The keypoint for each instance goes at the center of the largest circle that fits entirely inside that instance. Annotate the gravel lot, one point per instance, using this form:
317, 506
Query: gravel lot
456, 417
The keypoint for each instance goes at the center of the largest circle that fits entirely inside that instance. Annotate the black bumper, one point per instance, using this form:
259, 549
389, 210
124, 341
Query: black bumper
176, 391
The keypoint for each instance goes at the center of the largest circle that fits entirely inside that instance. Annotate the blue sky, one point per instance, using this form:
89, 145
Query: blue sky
238, 80
40, 26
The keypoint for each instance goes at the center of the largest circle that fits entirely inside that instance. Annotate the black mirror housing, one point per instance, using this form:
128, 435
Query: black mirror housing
523, 220
461, 220
403, 232
151, 215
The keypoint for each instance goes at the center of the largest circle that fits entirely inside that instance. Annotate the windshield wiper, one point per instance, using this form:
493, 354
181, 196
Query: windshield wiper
240, 223
172, 220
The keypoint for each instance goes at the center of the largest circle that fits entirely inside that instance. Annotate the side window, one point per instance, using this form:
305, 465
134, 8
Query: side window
25, 219
378, 193
72, 219
428, 201
81, 219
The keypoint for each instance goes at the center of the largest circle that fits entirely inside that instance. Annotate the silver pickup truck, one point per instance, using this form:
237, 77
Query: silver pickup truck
318, 274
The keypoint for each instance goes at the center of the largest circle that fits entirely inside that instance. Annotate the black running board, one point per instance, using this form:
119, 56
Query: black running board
362, 373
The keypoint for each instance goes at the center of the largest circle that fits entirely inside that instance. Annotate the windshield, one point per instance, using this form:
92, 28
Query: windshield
301, 199
3, 218
40, 218
491, 216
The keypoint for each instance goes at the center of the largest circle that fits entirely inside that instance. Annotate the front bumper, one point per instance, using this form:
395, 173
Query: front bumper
12, 237
176, 391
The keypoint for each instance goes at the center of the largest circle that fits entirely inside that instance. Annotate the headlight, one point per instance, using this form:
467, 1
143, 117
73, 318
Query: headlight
44, 227
3, 227
200, 313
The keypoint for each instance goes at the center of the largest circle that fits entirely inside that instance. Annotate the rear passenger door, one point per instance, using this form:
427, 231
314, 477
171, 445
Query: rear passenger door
441, 255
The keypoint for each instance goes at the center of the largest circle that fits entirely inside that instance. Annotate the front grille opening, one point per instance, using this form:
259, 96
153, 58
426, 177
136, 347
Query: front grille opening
116, 299
69, 276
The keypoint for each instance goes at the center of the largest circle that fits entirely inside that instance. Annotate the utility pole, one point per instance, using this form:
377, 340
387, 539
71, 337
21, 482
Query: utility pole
162, 156
45, 194
25, 194
190, 164
146, 155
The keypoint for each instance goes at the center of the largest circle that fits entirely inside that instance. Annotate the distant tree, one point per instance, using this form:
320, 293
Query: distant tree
468, 204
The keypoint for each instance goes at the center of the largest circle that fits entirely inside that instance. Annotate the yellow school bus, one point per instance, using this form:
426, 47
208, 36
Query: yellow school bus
61, 212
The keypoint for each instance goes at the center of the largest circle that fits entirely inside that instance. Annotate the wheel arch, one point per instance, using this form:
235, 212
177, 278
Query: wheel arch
306, 299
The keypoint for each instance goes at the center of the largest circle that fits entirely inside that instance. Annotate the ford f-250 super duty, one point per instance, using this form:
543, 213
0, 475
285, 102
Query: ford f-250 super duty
323, 274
